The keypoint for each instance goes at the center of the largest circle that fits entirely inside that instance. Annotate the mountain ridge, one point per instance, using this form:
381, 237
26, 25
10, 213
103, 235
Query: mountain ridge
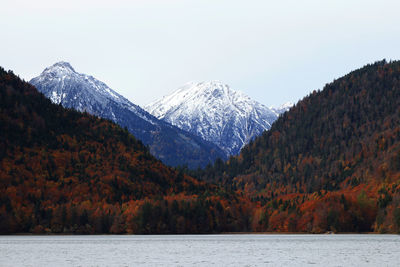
63, 85
215, 112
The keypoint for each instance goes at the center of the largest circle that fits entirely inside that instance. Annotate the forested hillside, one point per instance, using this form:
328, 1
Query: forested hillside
62, 171
332, 162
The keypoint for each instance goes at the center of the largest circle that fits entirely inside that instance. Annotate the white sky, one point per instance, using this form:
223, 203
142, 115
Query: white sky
274, 51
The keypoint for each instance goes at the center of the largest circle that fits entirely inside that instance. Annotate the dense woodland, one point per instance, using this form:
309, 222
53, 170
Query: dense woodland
331, 163
62, 171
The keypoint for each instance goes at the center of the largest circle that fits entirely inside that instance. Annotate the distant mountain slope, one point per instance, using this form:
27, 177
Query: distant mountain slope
332, 162
282, 108
63, 85
215, 112
62, 171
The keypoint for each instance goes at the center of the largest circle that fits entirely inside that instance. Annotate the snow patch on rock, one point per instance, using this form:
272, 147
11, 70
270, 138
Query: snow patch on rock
215, 112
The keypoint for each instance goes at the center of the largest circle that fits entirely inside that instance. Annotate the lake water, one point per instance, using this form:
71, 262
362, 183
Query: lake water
201, 250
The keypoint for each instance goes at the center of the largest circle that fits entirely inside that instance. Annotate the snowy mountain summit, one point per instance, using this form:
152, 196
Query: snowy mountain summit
215, 112
63, 85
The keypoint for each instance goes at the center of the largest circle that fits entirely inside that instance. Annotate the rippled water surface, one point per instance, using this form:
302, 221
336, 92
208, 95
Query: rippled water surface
201, 250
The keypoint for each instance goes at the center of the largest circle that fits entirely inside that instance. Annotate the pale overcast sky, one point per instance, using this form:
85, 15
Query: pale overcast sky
274, 51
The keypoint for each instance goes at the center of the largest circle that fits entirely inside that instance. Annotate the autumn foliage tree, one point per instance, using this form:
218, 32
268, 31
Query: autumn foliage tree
342, 140
62, 171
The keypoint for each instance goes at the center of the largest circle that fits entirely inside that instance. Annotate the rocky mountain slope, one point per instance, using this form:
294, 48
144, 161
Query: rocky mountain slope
63, 85
215, 112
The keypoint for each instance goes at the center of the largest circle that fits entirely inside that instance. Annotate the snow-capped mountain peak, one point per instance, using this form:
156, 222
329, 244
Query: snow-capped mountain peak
63, 85
60, 65
59, 69
215, 112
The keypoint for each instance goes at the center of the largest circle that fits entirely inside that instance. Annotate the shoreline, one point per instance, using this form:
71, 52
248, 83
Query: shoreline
223, 233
